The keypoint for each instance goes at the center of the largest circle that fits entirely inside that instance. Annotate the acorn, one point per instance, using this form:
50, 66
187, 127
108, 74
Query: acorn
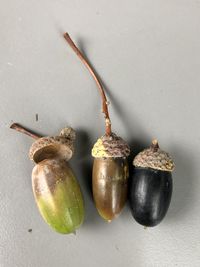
151, 185
55, 188
110, 152
110, 175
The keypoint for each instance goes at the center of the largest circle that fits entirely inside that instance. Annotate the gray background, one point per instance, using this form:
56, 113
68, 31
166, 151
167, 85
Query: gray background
148, 55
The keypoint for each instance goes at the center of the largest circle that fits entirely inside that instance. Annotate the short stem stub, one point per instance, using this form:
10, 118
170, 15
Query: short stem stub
154, 145
21, 129
97, 80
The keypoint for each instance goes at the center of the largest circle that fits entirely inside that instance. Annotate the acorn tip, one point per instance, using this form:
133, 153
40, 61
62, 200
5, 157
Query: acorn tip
12, 126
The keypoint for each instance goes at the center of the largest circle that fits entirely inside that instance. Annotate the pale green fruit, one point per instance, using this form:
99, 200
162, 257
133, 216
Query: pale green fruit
58, 195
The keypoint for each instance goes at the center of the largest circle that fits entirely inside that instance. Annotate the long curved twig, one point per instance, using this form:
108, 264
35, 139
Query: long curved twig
97, 80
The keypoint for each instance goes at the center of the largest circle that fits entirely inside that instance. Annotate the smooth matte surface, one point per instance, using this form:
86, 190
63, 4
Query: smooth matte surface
147, 53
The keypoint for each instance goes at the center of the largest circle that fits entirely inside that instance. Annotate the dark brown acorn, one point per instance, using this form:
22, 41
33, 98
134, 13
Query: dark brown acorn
55, 188
110, 169
151, 185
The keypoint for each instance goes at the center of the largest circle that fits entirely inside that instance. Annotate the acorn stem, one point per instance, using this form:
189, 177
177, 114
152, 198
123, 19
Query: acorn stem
97, 80
21, 129
154, 145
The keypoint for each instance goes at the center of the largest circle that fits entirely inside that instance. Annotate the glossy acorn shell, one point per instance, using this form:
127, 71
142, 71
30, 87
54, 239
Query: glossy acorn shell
150, 195
109, 182
58, 195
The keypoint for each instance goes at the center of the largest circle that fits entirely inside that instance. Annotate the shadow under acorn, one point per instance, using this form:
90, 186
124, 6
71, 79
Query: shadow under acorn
83, 157
184, 176
82, 162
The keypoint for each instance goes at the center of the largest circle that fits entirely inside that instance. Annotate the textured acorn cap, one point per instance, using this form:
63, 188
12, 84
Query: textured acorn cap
154, 158
110, 146
57, 146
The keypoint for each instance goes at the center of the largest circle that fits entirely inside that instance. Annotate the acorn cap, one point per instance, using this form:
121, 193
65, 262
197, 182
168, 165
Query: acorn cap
154, 158
110, 146
57, 146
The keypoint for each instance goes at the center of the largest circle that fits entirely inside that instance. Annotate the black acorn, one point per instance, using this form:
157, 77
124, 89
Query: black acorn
151, 185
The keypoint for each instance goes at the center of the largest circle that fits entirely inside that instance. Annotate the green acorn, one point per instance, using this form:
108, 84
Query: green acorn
55, 188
